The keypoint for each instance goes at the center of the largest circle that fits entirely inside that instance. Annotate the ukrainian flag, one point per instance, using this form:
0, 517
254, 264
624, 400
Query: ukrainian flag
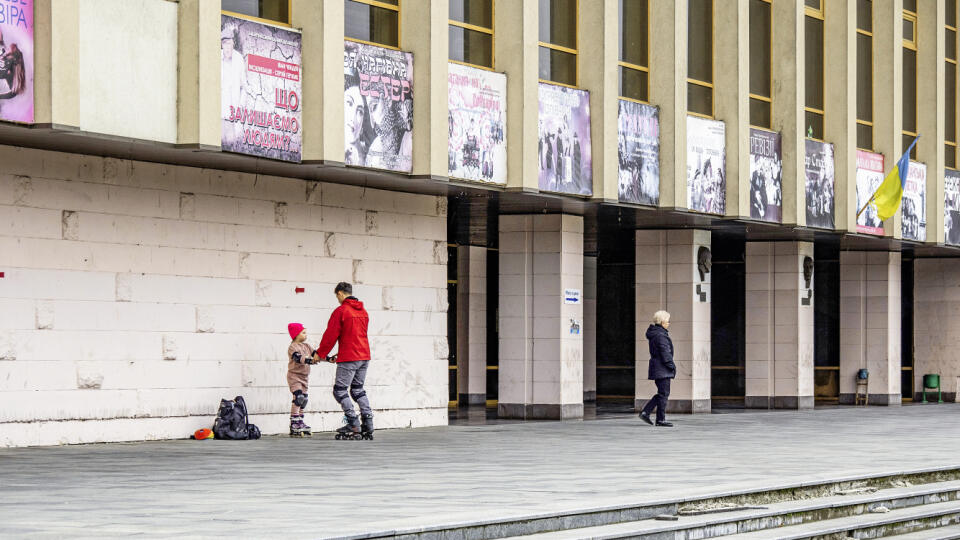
888, 195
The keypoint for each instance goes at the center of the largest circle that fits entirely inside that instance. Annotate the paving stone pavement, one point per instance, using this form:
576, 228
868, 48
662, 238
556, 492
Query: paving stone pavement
319, 487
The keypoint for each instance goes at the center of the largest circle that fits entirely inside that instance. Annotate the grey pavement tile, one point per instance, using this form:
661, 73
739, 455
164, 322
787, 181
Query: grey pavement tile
413, 478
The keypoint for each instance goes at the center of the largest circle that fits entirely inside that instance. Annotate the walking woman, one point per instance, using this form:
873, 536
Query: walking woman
662, 368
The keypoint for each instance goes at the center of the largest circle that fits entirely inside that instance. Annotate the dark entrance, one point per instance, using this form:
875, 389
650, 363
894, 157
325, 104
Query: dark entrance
616, 307
728, 319
826, 321
906, 327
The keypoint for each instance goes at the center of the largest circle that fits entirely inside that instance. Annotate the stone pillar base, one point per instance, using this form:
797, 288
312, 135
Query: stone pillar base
540, 411
472, 399
948, 397
875, 399
778, 402
682, 406
590, 396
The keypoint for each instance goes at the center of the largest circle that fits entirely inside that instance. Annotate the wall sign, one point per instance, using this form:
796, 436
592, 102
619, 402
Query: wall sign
571, 296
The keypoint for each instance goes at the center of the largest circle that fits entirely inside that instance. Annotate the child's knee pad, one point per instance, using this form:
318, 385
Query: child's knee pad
300, 399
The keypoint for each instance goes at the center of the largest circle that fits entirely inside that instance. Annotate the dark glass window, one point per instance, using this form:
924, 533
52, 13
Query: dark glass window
471, 32
760, 64
700, 57
378, 24
273, 10
558, 41
633, 35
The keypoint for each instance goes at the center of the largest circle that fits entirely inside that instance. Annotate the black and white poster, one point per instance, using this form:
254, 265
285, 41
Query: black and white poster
563, 146
951, 206
706, 165
476, 141
766, 165
914, 204
638, 150
377, 107
819, 189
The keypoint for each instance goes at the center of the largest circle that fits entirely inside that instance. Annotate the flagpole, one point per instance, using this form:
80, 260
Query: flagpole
866, 205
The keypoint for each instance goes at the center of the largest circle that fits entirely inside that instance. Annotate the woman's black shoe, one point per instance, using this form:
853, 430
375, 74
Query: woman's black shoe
646, 418
664, 424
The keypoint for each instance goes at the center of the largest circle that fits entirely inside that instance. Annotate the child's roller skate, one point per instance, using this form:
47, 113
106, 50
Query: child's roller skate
298, 428
366, 427
350, 431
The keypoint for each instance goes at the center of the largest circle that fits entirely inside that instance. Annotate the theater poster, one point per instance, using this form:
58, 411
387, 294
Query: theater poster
260, 97
563, 146
951, 206
16, 61
477, 111
913, 206
766, 164
638, 150
706, 165
869, 178
378, 107
820, 188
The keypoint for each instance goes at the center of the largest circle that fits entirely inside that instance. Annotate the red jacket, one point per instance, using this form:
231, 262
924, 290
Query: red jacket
348, 325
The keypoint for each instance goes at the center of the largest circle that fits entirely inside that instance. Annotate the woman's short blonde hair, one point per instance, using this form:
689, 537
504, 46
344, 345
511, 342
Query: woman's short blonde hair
661, 317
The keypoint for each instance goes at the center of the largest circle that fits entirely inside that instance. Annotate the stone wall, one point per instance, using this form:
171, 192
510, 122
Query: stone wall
137, 295
936, 326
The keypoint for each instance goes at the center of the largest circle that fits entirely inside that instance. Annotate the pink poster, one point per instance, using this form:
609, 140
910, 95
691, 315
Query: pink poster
869, 178
16, 61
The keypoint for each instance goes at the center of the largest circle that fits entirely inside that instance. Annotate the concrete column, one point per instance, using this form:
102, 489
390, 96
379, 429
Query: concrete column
322, 26
840, 107
198, 83
732, 82
870, 324
472, 325
888, 93
589, 328
789, 96
936, 328
517, 55
668, 90
424, 32
541, 336
779, 320
931, 97
56, 64
667, 277
599, 42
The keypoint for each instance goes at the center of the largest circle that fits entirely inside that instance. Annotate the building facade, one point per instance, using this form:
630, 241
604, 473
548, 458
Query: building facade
513, 187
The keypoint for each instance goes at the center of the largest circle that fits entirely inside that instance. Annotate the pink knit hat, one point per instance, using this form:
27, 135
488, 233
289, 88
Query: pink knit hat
294, 328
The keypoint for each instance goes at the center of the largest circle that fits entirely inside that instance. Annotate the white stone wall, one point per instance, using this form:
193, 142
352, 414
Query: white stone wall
779, 326
936, 324
667, 278
870, 324
137, 295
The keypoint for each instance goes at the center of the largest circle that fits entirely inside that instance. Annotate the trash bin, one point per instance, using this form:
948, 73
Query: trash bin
931, 380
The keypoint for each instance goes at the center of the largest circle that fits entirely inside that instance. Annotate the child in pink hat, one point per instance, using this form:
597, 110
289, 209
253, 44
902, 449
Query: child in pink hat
300, 356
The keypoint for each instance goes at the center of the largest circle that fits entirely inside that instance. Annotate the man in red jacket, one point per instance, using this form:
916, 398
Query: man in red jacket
348, 326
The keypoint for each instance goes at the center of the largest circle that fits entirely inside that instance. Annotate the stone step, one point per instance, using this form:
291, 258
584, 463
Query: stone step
771, 518
942, 533
924, 518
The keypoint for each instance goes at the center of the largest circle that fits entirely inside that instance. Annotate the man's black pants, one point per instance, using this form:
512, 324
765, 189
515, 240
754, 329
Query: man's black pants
659, 400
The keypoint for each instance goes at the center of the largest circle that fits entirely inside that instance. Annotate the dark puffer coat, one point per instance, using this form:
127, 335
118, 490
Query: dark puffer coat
661, 353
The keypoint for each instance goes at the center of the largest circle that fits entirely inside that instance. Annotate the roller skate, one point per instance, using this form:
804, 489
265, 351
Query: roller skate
350, 431
298, 428
366, 428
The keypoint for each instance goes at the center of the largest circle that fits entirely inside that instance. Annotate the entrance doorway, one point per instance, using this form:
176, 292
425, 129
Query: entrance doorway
728, 319
907, 375
616, 310
826, 322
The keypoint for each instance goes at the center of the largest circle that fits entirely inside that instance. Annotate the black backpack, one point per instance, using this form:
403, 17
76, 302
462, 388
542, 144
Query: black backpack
231, 422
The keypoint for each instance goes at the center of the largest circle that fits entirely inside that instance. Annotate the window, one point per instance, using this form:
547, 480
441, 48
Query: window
813, 46
909, 75
559, 41
761, 73
950, 83
272, 11
865, 74
471, 32
700, 57
634, 21
372, 21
